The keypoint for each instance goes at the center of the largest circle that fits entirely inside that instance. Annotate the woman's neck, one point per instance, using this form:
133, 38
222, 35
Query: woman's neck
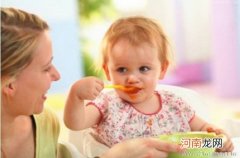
16, 132
17, 124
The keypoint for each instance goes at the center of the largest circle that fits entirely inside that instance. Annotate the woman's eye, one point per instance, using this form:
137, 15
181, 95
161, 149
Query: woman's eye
144, 69
121, 69
48, 69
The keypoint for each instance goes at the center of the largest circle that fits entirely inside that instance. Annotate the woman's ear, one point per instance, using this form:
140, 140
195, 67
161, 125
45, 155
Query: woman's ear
105, 68
9, 88
163, 70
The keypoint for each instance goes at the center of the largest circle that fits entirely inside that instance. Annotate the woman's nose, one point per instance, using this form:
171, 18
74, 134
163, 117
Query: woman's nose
55, 74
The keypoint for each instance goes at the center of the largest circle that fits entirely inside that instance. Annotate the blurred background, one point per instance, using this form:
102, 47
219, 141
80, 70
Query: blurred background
205, 38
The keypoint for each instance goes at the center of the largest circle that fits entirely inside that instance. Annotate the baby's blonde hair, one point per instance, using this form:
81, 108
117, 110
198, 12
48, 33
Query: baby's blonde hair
20, 32
136, 30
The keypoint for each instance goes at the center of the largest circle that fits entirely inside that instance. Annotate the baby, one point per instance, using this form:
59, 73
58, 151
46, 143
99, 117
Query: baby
134, 54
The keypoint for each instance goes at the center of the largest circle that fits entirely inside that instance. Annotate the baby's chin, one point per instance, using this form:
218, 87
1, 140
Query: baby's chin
136, 98
132, 99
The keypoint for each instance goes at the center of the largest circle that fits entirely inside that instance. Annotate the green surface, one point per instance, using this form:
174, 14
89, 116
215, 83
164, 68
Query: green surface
193, 140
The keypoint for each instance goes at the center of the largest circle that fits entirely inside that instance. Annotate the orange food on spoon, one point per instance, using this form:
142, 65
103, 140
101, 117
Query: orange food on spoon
130, 90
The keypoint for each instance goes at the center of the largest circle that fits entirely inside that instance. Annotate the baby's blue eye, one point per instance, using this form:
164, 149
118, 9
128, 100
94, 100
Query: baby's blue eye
144, 69
122, 69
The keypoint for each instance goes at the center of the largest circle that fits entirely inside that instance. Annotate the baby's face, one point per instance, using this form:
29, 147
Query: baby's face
137, 66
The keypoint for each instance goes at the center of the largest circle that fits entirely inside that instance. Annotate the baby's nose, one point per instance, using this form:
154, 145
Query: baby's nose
132, 79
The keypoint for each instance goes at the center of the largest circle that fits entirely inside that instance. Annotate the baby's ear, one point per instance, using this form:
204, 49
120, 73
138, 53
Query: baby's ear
163, 70
105, 68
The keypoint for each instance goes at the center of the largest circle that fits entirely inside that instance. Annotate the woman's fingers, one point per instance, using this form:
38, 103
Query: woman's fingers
159, 154
166, 146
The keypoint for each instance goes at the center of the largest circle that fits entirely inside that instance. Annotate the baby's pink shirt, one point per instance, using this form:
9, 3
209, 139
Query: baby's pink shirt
121, 121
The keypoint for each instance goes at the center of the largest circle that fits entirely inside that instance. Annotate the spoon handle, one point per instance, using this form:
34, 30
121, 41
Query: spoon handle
114, 86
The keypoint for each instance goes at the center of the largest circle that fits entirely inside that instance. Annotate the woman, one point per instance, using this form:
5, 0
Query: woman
28, 129
27, 73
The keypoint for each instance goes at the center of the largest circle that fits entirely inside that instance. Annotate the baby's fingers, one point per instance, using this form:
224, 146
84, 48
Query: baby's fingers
228, 147
217, 131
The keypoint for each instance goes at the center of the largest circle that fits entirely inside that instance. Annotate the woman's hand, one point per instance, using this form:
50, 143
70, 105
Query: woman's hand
142, 148
228, 145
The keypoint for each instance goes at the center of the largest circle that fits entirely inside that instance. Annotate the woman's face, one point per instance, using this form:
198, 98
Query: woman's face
31, 85
136, 66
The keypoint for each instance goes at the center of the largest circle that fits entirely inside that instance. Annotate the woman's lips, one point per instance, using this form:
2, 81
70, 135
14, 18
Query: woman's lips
44, 96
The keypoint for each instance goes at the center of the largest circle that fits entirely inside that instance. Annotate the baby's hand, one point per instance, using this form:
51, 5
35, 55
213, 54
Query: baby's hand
228, 145
88, 88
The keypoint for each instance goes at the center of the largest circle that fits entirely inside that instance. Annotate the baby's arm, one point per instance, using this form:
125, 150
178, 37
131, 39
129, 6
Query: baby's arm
76, 115
198, 124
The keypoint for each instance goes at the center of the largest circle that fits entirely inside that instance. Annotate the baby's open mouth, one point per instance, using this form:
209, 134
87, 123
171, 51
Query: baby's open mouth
127, 89
131, 89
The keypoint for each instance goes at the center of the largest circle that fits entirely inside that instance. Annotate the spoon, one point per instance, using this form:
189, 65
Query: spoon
128, 89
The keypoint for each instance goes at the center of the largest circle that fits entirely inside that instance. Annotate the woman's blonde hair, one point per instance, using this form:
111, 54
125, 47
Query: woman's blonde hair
20, 32
136, 30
